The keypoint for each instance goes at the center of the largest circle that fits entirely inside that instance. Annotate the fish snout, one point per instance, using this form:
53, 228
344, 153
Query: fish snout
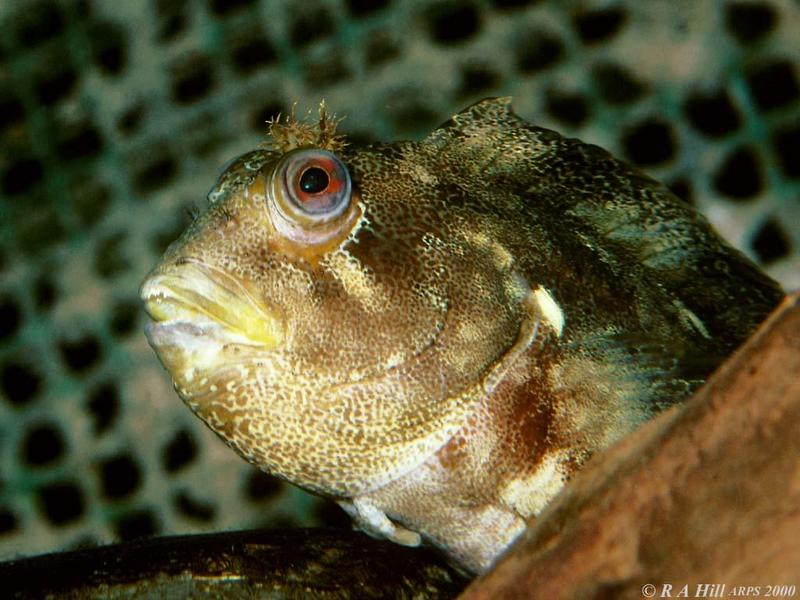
190, 293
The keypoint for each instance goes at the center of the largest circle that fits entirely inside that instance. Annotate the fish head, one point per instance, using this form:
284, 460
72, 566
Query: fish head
337, 311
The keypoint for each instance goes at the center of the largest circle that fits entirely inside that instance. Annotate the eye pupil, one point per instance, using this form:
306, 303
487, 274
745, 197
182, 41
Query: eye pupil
314, 180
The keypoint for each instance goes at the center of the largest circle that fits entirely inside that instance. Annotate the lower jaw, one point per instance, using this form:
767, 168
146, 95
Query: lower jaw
188, 349
192, 333
168, 333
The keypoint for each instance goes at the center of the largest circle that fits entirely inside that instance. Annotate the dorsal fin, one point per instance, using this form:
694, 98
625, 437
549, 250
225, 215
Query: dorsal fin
483, 113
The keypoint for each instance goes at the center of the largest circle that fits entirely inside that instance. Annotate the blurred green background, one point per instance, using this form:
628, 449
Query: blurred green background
116, 118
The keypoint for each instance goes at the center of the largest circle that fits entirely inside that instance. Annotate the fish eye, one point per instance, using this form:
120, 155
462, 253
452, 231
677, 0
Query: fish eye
311, 186
314, 180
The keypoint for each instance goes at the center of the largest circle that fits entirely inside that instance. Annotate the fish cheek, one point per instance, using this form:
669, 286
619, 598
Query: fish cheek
228, 400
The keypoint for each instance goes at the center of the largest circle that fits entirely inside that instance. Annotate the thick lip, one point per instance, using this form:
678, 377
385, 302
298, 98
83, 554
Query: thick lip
191, 296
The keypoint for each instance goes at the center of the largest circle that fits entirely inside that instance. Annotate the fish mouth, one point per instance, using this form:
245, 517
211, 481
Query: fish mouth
194, 299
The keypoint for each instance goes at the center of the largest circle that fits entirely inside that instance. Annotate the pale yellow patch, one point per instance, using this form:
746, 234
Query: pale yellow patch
529, 495
357, 281
501, 257
395, 358
690, 317
373, 521
527, 334
551, 311
419, 173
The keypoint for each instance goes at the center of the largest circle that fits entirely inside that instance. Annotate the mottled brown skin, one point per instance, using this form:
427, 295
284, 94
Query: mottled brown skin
496, 304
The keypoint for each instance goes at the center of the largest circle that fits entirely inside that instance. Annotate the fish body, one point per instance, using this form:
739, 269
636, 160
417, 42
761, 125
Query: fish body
438, 334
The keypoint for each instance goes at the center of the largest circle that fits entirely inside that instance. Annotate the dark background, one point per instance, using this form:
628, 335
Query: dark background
116, 117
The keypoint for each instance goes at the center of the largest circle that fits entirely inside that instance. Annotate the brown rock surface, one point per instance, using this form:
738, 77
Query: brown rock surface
707, 493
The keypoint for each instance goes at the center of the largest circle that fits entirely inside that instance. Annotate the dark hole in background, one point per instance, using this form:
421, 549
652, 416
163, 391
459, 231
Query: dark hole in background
109, 255
332, 515
193, 508
155, 174
712, 114
124, 317
259, 486
453, 22
62, 502
120, 476
225, 7
571, 109
683, 190
538, 51
312, 24
131, 120
8, 521
771, 243
80, 354
773, 85
45, 291
179, 452
137, 524
739, 176
508, 4
103, 404
599, 25
477, 80
20, 381
56, 82
43, 444
79, 142
11, 111
787, 145
411, 117
252, 53
21, 175
10, 317
109, 47
749, 21
360, 8
91, 199
616, 85
330, 70
37, 22
172, 19
649, 142
192, 80
381, 48
40, 229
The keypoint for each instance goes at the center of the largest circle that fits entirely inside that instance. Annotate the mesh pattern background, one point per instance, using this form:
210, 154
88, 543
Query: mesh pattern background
116, 117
